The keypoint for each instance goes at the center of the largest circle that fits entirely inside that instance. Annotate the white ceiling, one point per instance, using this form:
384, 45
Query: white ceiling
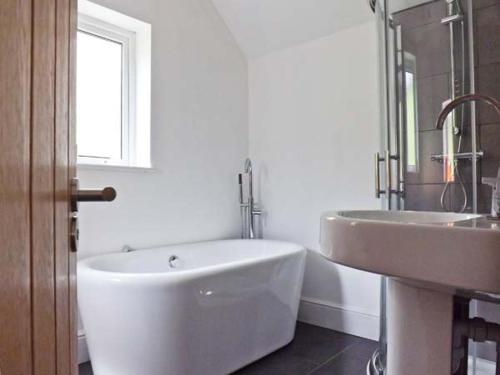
262, 26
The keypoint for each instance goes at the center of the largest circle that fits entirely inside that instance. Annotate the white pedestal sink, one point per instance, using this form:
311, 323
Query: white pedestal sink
429, 258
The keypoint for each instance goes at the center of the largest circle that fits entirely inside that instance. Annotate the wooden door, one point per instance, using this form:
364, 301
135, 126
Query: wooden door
37, 268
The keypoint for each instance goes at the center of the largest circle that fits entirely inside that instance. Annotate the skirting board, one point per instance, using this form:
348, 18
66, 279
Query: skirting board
328, 315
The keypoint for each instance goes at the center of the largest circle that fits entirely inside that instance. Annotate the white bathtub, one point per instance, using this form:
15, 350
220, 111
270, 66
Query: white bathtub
223, 306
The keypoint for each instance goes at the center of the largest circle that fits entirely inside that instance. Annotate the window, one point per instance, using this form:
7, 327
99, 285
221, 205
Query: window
113, 88
103, 115
411, 107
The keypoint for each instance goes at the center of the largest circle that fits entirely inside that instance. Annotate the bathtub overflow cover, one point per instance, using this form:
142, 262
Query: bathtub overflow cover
172, 261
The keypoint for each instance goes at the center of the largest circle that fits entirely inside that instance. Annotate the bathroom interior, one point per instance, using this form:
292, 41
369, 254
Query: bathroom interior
270, 187
265, 115
258, 125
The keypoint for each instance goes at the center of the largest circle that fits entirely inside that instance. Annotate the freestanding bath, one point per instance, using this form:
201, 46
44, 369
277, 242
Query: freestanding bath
198, 309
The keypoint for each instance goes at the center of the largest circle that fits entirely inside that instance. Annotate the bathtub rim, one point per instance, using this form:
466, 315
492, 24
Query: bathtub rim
85, 269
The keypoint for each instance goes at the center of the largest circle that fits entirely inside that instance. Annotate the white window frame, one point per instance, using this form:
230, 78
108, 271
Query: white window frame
135, 38
126, 39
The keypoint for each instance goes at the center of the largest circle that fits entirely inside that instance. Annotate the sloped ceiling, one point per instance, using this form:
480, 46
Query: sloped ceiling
262, 26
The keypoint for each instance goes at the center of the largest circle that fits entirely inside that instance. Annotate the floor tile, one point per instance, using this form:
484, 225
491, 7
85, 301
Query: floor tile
85, 369
279, 364
318, 344
352, 361
343, 364
364, 350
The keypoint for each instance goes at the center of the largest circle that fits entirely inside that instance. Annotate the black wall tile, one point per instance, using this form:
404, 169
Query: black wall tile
430, 45
487, 31
488, 83
489, 168
478, 4
425, 197
484, 194
421, 15
490, 141
458, 198
429, 172
432, 92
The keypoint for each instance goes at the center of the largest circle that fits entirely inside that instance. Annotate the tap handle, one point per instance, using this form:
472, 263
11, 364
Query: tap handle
490, 181
494, 182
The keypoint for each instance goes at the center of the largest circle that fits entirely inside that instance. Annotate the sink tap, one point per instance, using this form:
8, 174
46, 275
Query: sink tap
495, 199
451, 106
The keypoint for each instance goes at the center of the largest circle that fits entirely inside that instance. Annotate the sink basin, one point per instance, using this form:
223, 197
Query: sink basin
429, 259
458, 251
408, 217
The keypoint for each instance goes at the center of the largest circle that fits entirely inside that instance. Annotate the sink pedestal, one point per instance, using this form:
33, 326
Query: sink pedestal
419, 329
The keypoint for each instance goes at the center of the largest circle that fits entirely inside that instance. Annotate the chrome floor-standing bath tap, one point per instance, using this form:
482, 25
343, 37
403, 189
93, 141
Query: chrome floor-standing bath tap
248, 207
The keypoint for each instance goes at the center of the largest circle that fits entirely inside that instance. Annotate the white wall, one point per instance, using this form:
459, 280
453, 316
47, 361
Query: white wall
314, 115
199, 133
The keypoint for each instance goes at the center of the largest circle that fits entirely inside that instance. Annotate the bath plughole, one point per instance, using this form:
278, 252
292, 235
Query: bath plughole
173, 261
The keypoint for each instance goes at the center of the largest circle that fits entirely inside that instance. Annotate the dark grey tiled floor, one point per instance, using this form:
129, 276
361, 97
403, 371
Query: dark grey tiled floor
314, 351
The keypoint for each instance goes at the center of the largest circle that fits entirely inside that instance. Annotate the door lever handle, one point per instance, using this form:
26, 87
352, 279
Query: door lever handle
108, 194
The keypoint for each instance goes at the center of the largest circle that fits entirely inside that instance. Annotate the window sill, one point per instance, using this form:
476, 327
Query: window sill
114, 168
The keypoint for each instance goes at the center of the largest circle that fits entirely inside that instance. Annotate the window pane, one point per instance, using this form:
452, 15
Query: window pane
411, 122
99, 97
